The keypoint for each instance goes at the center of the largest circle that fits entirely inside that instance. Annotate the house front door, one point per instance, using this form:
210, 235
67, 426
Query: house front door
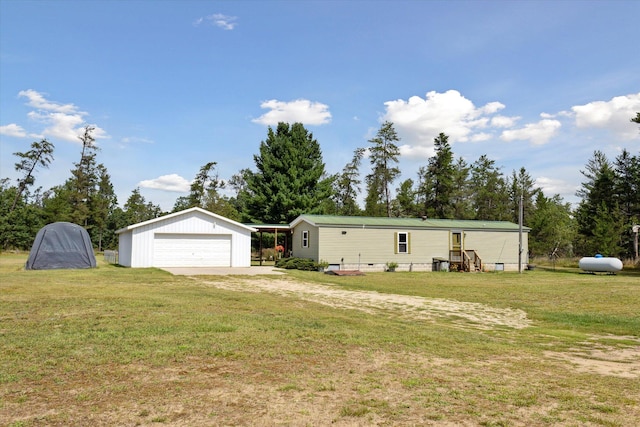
457, 246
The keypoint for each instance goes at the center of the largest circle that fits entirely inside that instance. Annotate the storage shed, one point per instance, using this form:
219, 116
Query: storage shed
61, 245
190, 238
415, 244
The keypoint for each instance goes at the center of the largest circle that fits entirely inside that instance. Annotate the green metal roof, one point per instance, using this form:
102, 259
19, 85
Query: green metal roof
359, 221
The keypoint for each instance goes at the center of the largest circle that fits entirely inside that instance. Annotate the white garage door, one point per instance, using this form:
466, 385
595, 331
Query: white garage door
192, 250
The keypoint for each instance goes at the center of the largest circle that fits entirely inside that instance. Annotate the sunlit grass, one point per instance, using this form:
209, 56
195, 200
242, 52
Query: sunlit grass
119, 337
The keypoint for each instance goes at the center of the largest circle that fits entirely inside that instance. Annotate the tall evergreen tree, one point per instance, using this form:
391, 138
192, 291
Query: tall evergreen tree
383, 156
289, 180
627, 190
82, 184
598, 201
440, 176
102, 204
489, 190
461, 197
521, 184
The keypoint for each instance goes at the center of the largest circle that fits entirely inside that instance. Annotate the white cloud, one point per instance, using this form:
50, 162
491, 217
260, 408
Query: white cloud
613, 115
504, 121
219, 20
61, 121
136, 140
13, 130
551, 186
37, 100
537, 133
300, 110
172, 182
418, 121
416, 151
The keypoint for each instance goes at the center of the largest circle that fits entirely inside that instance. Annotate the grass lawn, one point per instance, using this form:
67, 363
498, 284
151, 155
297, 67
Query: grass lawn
117, 346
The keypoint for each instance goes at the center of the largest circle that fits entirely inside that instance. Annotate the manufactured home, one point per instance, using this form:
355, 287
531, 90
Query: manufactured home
190, 238
414, 244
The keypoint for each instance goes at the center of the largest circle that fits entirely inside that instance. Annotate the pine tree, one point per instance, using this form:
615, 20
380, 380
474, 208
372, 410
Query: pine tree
440, 177
82, 184
489, 191
521, 184
290, 178
383, 156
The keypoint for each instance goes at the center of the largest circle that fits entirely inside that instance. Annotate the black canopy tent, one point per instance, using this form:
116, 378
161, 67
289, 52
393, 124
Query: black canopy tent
61, 245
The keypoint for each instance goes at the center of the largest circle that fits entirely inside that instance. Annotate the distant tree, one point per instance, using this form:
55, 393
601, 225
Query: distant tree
347, 186
205, 193
439, 180
489, 190
521, 184
598, 200
290, 177
374, 205
627, 190
383, 156
56, 203
404, 204
552, 227
41, 154
102, 205
238, 183
18, 227
137, 209
461, 197
82, 184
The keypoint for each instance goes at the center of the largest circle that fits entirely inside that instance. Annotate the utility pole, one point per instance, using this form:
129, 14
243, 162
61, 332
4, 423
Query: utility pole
520, 214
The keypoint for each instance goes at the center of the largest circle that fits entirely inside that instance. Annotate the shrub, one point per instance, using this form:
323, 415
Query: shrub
297, 264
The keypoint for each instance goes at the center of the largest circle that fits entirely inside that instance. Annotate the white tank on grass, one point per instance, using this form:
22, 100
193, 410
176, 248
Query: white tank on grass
600, 264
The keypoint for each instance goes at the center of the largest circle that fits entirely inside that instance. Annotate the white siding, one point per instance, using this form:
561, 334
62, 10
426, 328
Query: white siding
139, 243
124, 249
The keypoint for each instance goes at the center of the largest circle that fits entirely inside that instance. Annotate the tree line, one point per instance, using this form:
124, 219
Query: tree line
290, 179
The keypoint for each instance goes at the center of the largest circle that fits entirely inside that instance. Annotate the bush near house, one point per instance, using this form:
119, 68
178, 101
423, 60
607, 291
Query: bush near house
298, 264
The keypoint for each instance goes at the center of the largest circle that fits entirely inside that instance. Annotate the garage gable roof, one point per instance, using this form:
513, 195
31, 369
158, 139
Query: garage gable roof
383, 222
186, 212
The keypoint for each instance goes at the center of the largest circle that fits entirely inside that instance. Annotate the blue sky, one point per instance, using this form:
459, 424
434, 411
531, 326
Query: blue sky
172, 85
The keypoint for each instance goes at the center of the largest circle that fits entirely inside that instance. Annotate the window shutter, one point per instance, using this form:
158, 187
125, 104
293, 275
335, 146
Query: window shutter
408, 243
395, 242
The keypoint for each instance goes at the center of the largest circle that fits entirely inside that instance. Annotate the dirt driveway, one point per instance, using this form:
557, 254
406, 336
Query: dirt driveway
468, 314
223, 271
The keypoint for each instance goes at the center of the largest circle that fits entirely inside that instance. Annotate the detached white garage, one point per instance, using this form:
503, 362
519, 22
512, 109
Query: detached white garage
190, 238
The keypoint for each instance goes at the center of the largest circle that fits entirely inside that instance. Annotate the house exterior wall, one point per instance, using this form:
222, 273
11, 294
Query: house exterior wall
497, 247
369, 248
194, 223
310, 252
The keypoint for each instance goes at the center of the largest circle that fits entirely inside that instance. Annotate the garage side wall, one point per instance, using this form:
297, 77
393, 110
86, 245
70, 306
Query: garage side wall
124, 249
194, 224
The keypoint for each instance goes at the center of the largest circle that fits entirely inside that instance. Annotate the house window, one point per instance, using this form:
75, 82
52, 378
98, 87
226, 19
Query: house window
402, 243
305, 238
